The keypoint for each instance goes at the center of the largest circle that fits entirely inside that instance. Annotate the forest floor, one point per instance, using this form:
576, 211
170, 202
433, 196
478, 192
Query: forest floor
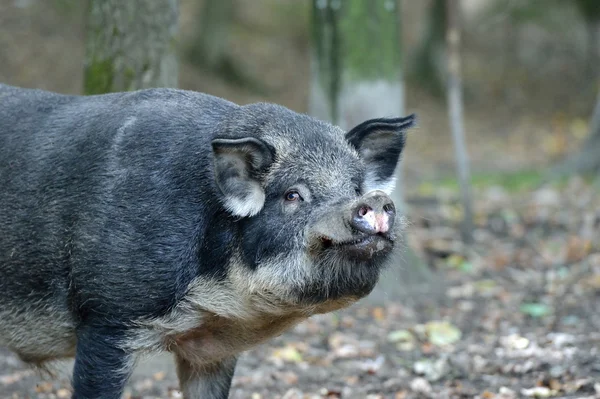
516, 315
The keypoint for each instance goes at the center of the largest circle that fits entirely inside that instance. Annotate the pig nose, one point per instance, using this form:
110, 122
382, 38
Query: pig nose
374, 214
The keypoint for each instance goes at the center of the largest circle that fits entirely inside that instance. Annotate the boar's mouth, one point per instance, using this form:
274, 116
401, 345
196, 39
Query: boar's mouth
364, 247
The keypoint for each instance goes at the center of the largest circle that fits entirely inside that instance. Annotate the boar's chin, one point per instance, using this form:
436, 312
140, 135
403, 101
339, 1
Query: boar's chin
325, 277
352, 283
345, 270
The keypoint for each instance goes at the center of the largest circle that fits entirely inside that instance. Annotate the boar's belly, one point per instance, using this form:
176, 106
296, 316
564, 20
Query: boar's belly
220, 338
37, 335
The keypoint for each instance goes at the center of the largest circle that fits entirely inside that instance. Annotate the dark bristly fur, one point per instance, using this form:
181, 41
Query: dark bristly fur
172, 220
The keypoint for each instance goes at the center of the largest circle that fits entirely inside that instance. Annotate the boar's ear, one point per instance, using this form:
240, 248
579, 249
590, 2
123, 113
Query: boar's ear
238, 165
380, 142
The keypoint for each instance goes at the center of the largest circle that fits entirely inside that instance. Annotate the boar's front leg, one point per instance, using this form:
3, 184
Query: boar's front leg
205, 381
101, 368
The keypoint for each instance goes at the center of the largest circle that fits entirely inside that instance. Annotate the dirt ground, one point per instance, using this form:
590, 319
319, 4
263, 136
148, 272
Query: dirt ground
516, 316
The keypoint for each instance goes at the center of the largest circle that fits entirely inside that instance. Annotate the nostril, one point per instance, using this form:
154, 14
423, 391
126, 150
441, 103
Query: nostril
363, 210
327, 242
389, 208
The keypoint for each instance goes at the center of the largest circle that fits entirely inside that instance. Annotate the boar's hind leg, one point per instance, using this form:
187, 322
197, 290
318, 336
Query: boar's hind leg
205, 381
101, 367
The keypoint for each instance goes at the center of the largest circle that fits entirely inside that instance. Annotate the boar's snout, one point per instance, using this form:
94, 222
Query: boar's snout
374, 213
363, 230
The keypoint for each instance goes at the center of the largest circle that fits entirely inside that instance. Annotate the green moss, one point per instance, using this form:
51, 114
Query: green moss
513, 182
371, 45
173, 44
98, 77
68, 7
129, 77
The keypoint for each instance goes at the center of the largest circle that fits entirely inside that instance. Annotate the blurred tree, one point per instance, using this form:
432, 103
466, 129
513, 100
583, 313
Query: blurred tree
356, 67
208, 47
587, 159
210, 42
130, 45
427, 68
590, 10
455, 113
357, 75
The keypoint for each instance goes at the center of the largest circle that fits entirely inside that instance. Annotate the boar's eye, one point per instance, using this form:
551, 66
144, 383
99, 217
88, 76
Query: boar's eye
292, 196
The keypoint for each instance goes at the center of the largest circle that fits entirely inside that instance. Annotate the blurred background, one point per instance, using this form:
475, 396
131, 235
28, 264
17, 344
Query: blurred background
497, 293
530, 67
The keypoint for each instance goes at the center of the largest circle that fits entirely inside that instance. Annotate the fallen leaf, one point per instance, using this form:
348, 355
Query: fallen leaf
539, 392
378, 314
44, 387
535, 310
400, 336
432, 370
441, 333
289, 377
15, 377
506, 393
371, 366
514, 341
159, 376
288, 353
400, 395
420, 385
293, 394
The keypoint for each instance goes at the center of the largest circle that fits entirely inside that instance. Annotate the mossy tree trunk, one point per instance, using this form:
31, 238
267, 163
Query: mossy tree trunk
357, 75
130, 45
356, 65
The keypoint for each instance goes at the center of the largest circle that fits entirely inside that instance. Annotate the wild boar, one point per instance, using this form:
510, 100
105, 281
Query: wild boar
170, 220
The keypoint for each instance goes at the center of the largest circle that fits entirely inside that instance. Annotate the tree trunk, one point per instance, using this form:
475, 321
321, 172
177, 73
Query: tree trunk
587, 159
427, 70
590, 11
593, 53
455, 113
130, 45
214, 29
208, 47
357, 75
209, 43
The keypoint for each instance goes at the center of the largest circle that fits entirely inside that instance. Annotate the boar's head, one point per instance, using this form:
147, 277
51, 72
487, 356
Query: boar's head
311, 203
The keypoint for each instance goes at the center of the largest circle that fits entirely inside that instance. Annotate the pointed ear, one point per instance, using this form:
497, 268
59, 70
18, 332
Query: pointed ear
238, 164
380, 142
